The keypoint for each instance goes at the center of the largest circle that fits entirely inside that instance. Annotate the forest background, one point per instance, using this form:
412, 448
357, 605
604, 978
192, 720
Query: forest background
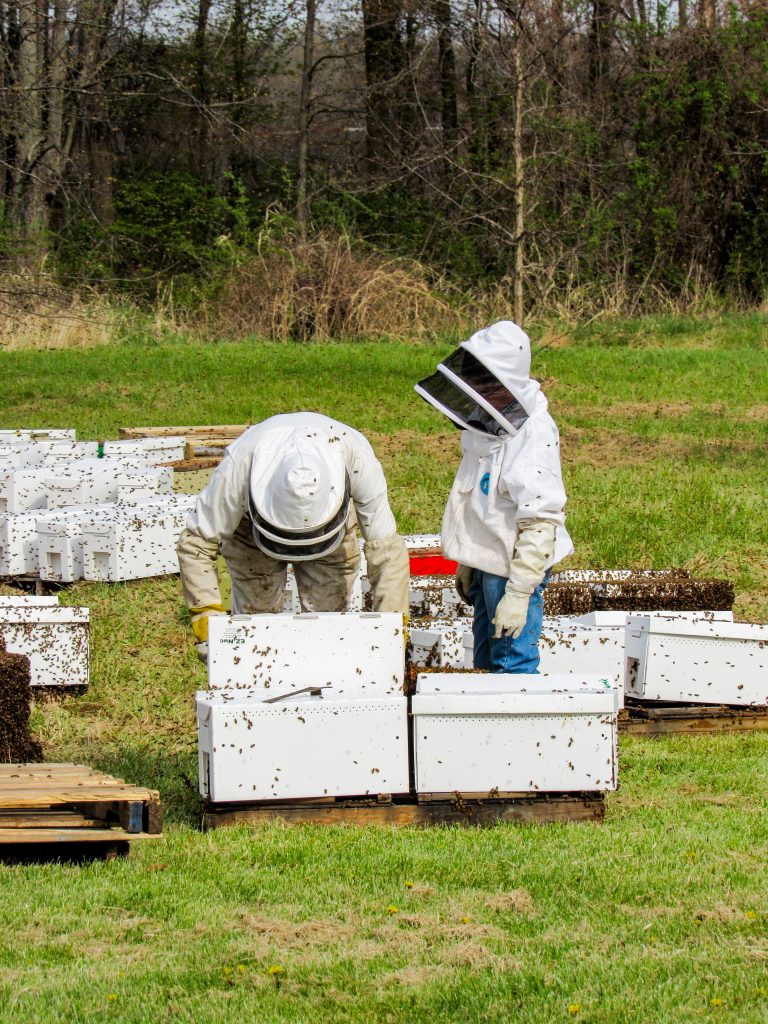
318, 169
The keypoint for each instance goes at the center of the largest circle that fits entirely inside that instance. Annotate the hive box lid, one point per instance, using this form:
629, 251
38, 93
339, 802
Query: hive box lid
358, 652
709, 629
487, 694
46, 614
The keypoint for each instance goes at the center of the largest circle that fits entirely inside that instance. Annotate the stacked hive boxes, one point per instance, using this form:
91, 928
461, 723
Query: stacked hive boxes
303, 706
67, 514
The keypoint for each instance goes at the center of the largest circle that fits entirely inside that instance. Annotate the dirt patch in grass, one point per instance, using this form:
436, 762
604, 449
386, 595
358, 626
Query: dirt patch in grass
516, 901
440, 446
298, 934
415, 977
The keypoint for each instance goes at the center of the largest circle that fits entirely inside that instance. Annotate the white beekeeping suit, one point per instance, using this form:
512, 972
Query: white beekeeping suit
504, 515
290, 490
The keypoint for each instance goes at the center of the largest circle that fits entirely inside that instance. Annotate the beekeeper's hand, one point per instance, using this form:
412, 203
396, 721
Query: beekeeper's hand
511, 614
464, 576
202, 652
199, 618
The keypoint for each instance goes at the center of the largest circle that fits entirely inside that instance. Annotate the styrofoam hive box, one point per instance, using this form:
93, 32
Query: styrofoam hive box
28, 600
97, 481
361, 653
136, 542
439, 643
18, 543
696, 662
55, 639
23, 489
619, 619
302, 747
422, 541
436, 597
514, 733
52, 434
153, 449
577, 650
602, 575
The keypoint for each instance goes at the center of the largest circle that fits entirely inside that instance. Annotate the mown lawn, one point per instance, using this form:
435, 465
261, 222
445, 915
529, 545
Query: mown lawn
658, 915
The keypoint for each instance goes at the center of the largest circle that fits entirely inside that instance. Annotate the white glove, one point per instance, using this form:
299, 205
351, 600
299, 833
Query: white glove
511, 614
464, 576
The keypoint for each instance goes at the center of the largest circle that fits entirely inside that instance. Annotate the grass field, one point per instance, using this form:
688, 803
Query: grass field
658, 915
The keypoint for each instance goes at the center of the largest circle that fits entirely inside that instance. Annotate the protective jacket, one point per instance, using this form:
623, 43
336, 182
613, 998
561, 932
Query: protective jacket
227, 501
510, 469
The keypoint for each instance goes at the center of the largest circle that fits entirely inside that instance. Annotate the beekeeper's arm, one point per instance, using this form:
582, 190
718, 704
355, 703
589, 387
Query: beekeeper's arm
385, 551
217, 514
540, 498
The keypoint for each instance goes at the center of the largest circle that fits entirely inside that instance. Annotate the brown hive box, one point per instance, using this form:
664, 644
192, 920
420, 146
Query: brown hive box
16, 744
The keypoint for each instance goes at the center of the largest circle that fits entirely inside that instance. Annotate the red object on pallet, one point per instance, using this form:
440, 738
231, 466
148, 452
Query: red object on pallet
431, 563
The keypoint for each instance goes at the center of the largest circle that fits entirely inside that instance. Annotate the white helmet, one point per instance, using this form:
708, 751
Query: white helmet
299, 500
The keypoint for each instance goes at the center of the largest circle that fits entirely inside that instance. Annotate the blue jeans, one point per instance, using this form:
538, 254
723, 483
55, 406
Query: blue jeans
507, 654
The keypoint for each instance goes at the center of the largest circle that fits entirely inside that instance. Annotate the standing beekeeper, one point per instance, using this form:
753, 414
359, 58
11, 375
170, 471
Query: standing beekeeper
504, 522
290, 490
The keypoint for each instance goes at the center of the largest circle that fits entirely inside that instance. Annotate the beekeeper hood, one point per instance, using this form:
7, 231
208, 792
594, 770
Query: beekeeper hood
485, 384
299, 500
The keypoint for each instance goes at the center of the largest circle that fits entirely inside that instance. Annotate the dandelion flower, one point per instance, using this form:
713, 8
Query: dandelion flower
409, 885
275, 971
392, 909
716, 1002
574, 1008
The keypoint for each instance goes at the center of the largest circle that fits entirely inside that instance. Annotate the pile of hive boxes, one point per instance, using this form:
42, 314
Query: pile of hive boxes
314, 705
79, 510
664, 636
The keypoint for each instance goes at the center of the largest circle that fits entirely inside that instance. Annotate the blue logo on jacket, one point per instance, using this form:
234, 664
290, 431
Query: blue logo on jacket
485, 483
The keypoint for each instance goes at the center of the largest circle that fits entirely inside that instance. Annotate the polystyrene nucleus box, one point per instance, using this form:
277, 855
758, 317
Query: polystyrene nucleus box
435, 597
618, 619
253, 747
136, 542
439, 643
18, 543
514, 733
54, 638
583, 649
695, 662
97, 481
353, 652
30, 436
28, 600
153, 450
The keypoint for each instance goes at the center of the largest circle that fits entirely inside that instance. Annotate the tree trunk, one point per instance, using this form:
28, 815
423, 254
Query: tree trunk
517, 146
201, 81
384, 66
305, 99
27, 205
449, 112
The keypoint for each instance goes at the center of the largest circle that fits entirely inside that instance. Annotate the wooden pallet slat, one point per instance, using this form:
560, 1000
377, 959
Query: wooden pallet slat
693, 719
459, 809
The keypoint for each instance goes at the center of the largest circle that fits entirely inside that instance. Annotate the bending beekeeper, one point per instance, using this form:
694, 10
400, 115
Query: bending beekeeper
290, 490
504, 522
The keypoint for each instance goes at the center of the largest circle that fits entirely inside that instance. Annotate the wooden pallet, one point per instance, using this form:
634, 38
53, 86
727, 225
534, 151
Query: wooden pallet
44, 804
427, 809
691, 719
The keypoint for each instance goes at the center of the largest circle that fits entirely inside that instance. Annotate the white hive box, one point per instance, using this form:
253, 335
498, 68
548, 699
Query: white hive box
302, 747
23, 489
51, 452
55, 639
28, 601
696, 662
361, 653
97, 481
619, 619
514, 734
577, 650
440, 643
18, 543
52, 434
153, 450
60, 541
135, 542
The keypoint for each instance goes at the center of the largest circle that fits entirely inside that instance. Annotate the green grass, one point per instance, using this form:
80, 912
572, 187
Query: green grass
659, 915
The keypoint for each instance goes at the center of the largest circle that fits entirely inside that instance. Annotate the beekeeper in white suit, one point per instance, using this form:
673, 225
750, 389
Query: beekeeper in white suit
504, 522
290, 490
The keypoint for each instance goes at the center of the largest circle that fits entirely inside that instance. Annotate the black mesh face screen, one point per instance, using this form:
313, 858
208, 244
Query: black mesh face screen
449, 396
480, 379
483, 384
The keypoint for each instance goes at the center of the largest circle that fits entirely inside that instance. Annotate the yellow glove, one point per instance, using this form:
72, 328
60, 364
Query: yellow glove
199, 617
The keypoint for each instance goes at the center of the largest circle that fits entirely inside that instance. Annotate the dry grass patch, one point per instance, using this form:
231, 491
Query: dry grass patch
516, 901
416, 976
36, 314
297, 935
438, 446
